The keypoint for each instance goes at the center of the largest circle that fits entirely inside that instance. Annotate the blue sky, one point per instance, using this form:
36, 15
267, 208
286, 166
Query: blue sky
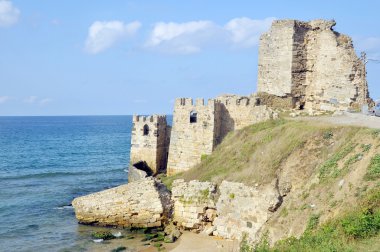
92, 57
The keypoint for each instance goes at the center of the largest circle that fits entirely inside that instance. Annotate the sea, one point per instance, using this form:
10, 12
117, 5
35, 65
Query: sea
45, 162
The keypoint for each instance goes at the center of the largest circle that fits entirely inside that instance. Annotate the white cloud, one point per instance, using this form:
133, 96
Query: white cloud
4, 99
192, 36
102, 35
9, 14
182, 38
245, 32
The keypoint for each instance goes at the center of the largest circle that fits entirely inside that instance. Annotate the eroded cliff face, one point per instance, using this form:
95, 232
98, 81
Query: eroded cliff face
313, 64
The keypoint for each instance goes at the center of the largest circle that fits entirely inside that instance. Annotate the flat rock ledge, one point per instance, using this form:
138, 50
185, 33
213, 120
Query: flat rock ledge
136, 204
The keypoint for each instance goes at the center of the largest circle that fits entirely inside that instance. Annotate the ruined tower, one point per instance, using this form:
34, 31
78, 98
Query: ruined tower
150, 143
313, 64
192, 134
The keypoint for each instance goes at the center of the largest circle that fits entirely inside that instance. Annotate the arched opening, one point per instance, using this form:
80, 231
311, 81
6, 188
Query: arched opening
193, 116
146, 130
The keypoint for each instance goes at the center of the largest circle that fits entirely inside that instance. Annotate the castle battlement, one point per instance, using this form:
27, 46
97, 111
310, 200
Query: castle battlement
198, 103
149, 119
235, 100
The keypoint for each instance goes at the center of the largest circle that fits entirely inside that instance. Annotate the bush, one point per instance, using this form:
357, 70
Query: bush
361, 225
339, 234
105, 235
313, 222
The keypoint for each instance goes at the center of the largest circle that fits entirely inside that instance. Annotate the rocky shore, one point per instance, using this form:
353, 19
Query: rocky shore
226, 211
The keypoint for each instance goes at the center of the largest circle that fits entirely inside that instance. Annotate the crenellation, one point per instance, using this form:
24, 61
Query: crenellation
200, 102
150, 142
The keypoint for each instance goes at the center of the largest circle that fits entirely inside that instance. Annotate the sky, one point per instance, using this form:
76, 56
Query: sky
120, 57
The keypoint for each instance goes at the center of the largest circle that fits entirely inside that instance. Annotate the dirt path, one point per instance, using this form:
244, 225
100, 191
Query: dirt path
353, 119
200, 243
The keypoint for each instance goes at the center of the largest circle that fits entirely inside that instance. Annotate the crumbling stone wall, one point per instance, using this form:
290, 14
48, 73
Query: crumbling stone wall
136, 204
236, 112
152, 145
243, 209
190, 140
313, 64
194, 203
336, 77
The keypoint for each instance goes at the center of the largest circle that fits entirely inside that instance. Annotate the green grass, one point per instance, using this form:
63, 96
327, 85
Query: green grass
329, 169
358, 228
255, 153
373, 171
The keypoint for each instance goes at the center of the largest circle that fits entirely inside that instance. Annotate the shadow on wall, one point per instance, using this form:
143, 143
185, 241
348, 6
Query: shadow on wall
227, 124
142, 165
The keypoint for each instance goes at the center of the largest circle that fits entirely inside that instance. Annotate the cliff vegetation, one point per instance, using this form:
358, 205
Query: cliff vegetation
328, 177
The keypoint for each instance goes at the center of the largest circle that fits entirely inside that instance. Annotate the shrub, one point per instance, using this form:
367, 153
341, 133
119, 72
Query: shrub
244, 244
361, 225
313, 222
105, 235
328, 135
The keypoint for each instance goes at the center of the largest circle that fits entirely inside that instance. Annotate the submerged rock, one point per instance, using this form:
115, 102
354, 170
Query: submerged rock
137, 204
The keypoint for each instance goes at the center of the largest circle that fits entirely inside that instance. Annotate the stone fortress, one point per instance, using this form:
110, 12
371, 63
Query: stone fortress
302, 65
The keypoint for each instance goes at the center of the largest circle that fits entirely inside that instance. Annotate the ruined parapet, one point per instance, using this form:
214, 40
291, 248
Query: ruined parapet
194, 203
192, 134
244, 209
136, 204
198, 127
236, 112
150, 143
311, 63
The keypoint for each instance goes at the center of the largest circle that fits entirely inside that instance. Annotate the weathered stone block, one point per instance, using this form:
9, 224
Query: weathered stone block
136, 204
243, 209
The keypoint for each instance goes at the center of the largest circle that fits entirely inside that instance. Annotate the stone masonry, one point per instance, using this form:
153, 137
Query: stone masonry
243, 209
136, 204
194, 203
150, 143
192, 139
313, 64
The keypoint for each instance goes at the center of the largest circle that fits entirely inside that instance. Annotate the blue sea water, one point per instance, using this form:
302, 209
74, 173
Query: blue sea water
45, 162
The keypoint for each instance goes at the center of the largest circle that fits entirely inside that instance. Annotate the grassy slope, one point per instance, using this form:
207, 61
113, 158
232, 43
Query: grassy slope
315, 157
254, 154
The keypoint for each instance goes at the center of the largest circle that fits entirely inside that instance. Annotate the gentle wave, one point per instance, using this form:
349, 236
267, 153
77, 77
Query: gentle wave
56, 174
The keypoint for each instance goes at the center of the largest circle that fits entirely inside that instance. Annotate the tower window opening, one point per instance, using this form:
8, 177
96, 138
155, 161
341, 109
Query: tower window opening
146, 130
193, 117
